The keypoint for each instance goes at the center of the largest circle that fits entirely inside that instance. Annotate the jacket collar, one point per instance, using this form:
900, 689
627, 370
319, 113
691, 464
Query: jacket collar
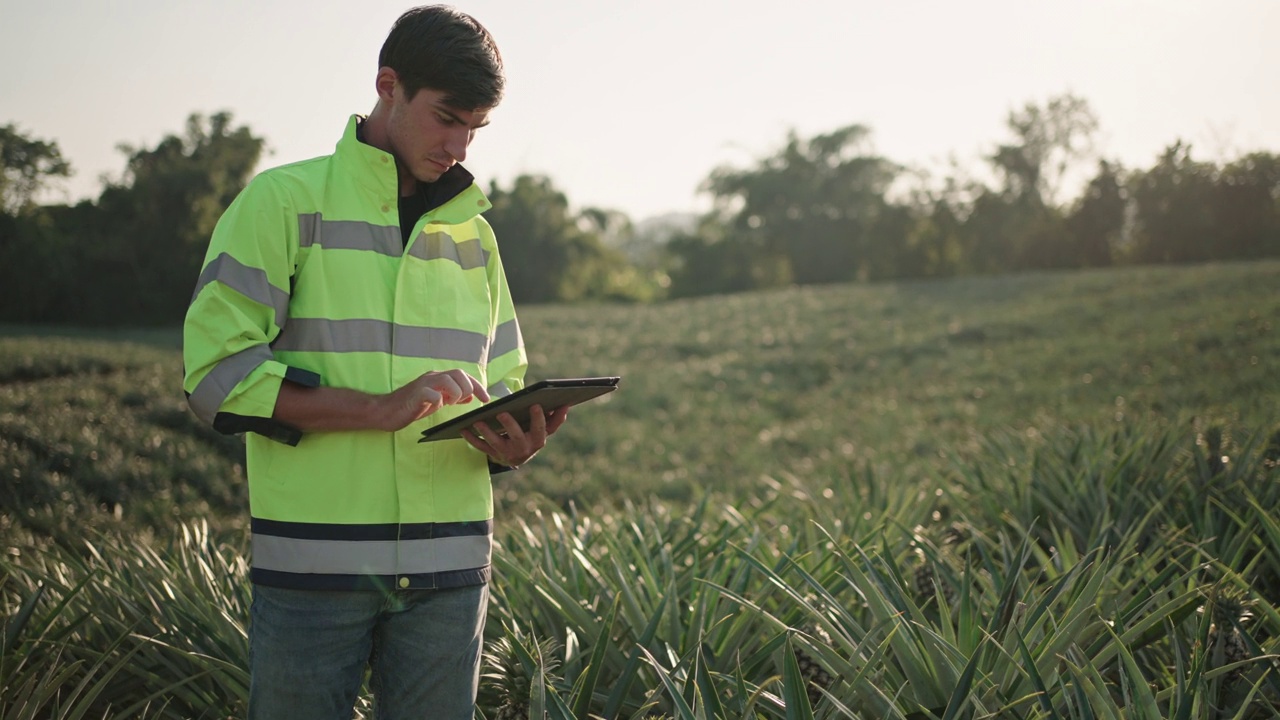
460, 196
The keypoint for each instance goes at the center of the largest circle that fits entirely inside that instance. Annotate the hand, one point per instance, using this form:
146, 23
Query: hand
512, 446
425, 395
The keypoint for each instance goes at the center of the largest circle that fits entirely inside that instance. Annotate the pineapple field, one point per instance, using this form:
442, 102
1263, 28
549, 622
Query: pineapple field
1047, 495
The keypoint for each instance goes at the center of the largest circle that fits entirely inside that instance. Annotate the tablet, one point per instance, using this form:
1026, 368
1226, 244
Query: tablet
550, 394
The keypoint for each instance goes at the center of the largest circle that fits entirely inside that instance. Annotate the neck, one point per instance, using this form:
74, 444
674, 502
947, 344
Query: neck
375, 134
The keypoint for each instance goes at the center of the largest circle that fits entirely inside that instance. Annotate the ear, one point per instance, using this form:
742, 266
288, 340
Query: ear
386, 83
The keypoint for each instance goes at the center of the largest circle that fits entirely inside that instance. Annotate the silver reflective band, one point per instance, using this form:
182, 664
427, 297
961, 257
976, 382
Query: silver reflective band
440, 246
499, 389
250, 282
376, 557
505, 339
313, 229
339, 336
223, 378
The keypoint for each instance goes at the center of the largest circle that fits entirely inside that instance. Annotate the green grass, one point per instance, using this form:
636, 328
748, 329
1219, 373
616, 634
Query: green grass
1040, 496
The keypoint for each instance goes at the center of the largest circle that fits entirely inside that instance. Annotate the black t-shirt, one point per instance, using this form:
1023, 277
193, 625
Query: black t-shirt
412, 207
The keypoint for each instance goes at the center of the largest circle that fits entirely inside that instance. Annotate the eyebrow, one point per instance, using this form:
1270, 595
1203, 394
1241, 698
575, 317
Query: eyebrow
454, 116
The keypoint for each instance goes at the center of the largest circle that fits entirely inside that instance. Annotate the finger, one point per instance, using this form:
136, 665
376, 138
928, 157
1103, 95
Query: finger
556, 419
529, 443
512, 429
484, 432
476, 442
479, 390
537, 428
466, 384
499, 456
470, 385
426, 401
448, 387
438, 382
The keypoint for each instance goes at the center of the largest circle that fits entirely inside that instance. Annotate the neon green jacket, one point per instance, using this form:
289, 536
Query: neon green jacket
307, 280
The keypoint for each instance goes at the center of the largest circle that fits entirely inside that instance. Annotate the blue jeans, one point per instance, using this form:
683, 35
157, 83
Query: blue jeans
308, 650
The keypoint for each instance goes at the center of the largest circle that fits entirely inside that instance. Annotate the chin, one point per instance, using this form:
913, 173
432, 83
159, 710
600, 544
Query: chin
429, 176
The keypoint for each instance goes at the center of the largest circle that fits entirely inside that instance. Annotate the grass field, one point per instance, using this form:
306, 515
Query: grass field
1047, 495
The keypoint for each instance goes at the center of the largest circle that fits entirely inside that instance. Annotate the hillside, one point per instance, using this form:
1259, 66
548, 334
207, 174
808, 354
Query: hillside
719, 394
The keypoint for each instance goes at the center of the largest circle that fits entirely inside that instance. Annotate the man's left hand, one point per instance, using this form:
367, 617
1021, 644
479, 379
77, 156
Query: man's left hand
513, 446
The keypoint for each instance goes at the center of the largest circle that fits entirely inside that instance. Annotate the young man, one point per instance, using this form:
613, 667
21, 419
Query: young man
346, 303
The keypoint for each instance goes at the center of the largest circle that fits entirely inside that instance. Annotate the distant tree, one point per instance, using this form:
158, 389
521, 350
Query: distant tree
1047, 142
613, 227
157, 218
892, 246
27, 166
813, 205
38, 264
551, 254
994, 236
44, 274
709, 261
1246, 207
635, 271
1096, 222
934, 241
935, 238
1174, 209
1022, 228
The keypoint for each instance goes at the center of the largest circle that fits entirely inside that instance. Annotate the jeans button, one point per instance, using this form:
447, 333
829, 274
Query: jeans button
404, 582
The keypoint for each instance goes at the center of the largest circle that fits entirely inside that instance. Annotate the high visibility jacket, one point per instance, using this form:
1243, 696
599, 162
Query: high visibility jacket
307, 280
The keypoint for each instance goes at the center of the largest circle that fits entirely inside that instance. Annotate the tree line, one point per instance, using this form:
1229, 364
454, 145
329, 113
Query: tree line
829, 209
821, 209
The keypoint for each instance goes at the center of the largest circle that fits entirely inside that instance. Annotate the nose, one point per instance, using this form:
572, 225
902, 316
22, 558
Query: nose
457, 142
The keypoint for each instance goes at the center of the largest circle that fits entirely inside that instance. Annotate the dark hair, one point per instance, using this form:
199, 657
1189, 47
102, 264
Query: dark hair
438, 47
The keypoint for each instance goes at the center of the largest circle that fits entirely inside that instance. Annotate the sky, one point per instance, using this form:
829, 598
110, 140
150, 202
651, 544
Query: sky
629, 106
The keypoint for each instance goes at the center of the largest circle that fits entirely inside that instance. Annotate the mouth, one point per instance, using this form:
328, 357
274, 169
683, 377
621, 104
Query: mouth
443, 167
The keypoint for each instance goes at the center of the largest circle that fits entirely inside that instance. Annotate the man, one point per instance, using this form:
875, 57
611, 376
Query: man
345, 304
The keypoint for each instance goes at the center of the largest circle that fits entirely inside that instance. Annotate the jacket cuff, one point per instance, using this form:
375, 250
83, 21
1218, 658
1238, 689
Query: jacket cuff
232, 424
270, 428
495, 468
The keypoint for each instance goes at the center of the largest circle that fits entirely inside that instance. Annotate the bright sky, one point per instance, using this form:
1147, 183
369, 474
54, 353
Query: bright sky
630, 105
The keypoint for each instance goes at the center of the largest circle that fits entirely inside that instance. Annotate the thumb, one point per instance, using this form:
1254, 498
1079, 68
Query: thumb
429, 397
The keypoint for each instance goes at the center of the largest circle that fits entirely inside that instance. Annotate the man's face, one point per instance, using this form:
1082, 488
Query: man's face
428, 136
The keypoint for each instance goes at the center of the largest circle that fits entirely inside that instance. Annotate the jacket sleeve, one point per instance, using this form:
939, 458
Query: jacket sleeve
506, 361
239, 307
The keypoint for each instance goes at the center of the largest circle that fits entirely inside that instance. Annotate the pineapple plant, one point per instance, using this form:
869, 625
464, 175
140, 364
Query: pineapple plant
925, 580
1216, 442
1271, 454
507, 680
1229, 609
815, 675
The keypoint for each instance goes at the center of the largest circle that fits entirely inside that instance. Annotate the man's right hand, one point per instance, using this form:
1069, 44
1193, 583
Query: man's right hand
427, 394
337, 409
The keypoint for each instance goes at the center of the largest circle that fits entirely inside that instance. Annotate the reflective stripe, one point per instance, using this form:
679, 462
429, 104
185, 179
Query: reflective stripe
499, 389
313, 229
223, 378
337, 336
375, 557
441, 246
505, 339
250, 282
